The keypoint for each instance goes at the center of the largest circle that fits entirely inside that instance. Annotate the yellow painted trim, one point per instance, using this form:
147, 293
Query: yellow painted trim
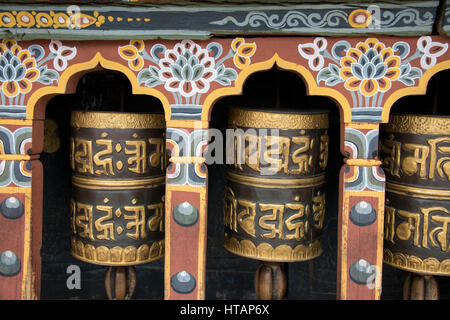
380, 240
201, 272
362, 125
421, 88
311, 86
16, 122
26, 277
344, 238
196, 124
14, 157
16, 189
197, 160
362, 162
167, 216
89, 65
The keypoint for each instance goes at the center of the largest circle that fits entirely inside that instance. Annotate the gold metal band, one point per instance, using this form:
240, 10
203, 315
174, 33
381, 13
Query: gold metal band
275, 120
116, 120
279, 183
117, 256
266, 252
415, 124
431, 265
417, 192
92, 183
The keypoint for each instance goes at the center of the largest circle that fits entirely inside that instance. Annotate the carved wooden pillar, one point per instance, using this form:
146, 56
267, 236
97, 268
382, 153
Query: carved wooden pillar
20, 192
186, 211
361, 208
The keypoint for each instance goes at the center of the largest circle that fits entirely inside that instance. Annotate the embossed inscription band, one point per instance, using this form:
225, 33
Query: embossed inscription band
418, 124
104, 120
288, 120
417, 192
278, 183
91, 183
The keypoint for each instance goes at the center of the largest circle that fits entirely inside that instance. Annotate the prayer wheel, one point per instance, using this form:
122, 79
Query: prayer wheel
274, 202
118, 186
415, 151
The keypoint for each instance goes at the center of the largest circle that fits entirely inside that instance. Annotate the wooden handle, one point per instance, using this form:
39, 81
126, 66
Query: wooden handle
120, 282
420, 287
271, 280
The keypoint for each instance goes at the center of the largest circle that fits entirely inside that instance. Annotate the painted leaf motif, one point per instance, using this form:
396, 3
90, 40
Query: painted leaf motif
230, 73
215, 48
339, 49
307, 50
437, 49
415, 73
246, 49
128, 52
334, 69
176, 71
156, 50
47, 76
153, 71
406, 81
357, 70
197, 72
187, 73
136, 64
37, 51
402, 48
236, 43
223, 81
153, 82
144, 76
332, 81
405, 69
138, 44
324, 74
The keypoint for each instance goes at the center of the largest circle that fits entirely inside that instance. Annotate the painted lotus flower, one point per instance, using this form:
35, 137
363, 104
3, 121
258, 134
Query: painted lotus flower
17, 68
187, 69
370, 67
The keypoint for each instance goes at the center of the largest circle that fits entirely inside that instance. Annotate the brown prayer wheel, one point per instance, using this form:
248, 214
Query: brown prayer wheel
274, 203
415, 151
118, 174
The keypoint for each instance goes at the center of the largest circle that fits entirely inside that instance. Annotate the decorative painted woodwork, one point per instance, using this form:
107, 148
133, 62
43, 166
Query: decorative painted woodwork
175, 22
188, 72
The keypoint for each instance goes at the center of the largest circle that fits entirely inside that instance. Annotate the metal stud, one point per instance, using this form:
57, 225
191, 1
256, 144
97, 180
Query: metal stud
362, 272
363, 214
9, 264
183, 282
185, 214
12, 208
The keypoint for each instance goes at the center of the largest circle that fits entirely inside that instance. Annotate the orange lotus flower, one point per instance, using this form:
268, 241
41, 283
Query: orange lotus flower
131, 52
370, 67
17, 69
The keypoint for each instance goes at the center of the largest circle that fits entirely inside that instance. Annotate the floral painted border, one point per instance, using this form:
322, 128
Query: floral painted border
186, 70
368, 69
21, 67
